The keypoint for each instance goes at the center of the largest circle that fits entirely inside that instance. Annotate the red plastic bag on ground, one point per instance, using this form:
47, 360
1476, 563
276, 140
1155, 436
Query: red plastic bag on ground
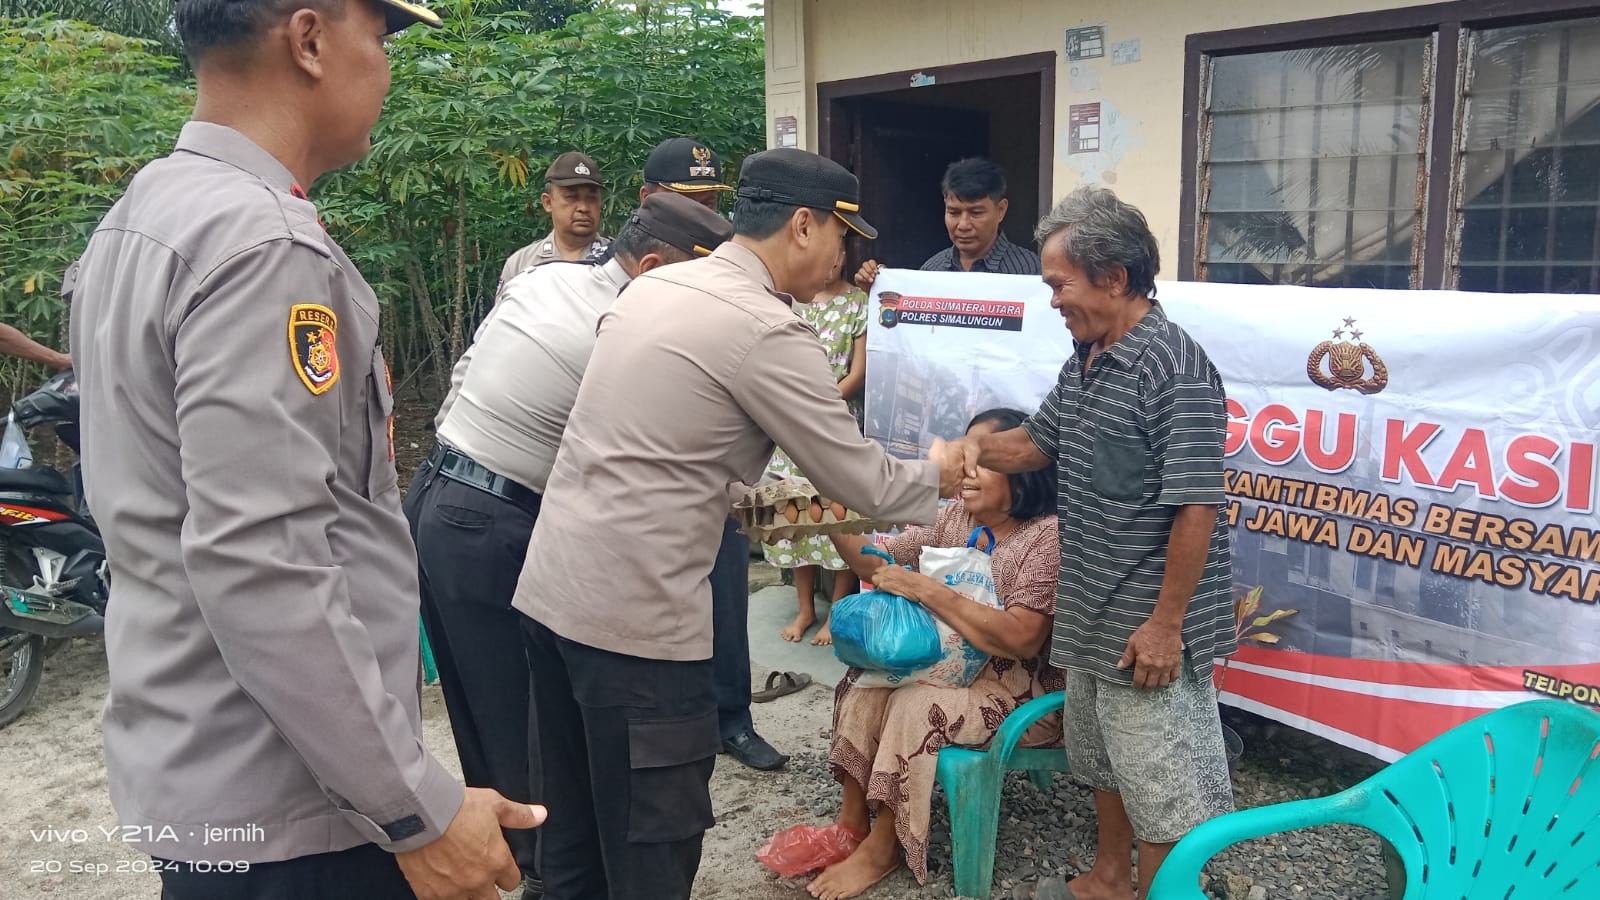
808, 848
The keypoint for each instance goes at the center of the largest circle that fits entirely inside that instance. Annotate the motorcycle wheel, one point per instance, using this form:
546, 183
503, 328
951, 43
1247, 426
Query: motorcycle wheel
21, 665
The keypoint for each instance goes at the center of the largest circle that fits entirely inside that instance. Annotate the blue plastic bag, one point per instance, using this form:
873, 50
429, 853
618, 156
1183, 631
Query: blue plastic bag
883, 632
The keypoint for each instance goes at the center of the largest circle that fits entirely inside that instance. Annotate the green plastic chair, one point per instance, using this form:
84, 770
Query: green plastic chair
1504, 806
972, 780
430, 671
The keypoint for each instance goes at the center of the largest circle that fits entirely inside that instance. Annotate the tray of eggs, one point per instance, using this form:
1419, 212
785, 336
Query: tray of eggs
790, 509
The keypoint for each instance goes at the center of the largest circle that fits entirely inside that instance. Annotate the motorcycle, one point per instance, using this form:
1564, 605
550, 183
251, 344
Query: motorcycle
54, 576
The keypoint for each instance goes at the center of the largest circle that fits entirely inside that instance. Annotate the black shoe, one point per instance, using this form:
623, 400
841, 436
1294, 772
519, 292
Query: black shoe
749, 748
532, 888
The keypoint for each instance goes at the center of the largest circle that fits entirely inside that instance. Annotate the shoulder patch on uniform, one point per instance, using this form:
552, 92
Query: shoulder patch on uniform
313, 346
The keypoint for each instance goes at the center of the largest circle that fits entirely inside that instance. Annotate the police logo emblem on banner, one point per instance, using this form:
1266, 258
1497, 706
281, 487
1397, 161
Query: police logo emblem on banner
888, 309
702, 167
1343, 365
313, 345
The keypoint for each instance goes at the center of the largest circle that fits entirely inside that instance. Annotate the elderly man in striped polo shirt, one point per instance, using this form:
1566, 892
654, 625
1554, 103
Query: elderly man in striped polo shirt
1134, 429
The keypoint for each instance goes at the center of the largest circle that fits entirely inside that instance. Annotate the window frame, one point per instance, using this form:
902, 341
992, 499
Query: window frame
1448, 24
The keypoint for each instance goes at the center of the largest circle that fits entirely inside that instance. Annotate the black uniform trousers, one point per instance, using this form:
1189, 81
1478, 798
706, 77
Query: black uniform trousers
367, 871
730, 631
622, 753
470, 547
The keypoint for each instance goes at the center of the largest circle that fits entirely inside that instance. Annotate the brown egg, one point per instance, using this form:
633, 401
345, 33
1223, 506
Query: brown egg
839, 512
816, 511
791, 512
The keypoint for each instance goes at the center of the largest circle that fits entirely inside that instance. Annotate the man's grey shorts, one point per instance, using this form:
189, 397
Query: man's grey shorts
1161, 750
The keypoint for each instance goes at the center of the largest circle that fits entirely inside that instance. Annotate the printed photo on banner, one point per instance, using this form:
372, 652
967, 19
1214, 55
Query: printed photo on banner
1411, 477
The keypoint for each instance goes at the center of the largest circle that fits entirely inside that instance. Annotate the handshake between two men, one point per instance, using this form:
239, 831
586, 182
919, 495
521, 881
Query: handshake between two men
1003, 451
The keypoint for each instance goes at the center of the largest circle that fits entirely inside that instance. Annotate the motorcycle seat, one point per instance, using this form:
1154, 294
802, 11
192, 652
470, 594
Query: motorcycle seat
41, 479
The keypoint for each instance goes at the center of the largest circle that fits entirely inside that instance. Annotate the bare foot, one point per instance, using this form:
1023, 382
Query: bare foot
865, 868
1093, 885
824, 637
797, 629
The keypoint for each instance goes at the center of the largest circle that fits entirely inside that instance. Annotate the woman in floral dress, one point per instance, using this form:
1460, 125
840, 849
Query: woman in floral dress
886, 741
839, 314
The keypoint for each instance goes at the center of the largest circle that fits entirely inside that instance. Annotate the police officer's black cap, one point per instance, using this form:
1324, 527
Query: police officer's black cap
681, 222
799, 178
401, 14
685, 165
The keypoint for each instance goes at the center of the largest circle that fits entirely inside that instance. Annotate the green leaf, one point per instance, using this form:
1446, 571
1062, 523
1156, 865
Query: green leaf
1264, 621
486, 102
1252, 602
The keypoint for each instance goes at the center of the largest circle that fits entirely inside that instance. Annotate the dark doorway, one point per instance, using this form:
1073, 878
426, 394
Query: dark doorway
903, 152
899, 138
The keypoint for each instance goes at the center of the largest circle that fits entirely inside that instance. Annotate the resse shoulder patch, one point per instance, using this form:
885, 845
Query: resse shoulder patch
313, 346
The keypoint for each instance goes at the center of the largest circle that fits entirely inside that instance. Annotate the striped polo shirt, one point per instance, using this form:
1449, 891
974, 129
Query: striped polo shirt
1004, 258
1137, 436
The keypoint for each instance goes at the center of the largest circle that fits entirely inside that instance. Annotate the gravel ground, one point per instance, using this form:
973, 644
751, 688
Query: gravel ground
56, 779
55, 783
1054, 834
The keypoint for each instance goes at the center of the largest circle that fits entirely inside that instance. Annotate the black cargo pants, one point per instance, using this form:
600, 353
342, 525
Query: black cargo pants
622, 753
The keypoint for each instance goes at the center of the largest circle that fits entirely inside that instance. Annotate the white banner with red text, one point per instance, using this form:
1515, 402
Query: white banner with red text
1411, 479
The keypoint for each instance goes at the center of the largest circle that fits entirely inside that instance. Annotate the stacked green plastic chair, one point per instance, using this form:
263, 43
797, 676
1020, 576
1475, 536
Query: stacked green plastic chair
1504, 807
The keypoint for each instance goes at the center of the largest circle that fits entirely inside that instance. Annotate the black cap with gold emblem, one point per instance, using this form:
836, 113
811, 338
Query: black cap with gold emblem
684, 165
681, 222
800, 178
401, 14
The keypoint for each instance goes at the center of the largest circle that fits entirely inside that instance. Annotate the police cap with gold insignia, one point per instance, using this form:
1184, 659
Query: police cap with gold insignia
685, 165
402, 14
800, 178
681, 222
572, 168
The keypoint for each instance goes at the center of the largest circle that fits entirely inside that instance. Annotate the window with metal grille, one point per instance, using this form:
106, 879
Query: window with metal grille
1314, 166
1528, 180
1462, 153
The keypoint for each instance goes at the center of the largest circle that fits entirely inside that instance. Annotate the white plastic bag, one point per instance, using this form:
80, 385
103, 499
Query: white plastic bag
14, 450
966, 571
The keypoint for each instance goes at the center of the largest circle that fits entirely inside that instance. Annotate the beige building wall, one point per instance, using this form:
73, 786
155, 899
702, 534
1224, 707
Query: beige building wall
812, 41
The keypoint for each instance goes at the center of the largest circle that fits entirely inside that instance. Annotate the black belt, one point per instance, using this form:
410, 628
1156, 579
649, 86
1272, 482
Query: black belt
463, 469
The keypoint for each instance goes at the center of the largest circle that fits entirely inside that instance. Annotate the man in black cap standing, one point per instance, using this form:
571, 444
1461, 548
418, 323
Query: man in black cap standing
697, 370
572, 199
683, 165
474, 503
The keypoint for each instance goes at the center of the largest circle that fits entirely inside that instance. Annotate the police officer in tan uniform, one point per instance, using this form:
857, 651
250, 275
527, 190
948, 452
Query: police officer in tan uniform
263, 727
473, 504
697, 370
683, 165
571, 198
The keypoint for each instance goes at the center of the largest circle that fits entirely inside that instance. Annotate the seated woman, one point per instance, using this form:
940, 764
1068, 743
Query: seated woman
886, 741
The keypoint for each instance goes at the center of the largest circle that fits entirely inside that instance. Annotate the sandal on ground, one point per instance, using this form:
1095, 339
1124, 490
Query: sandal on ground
781, 684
